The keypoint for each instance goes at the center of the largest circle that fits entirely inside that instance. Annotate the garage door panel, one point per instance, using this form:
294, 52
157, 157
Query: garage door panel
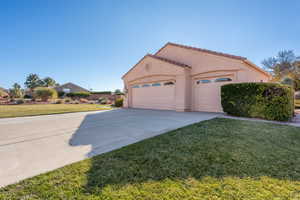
154, 97
207, 96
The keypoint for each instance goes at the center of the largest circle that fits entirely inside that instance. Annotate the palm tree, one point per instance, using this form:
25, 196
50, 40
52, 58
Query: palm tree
33, 81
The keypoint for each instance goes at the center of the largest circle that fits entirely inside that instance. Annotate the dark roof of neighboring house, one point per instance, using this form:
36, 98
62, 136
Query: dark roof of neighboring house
71, 86
203, 50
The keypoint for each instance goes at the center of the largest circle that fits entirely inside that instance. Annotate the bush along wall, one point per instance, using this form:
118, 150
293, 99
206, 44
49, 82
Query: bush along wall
270, 101
78, 94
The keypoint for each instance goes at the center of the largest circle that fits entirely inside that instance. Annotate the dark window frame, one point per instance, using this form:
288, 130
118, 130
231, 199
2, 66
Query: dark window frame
135, 86
169, 83
225, 79
203, 81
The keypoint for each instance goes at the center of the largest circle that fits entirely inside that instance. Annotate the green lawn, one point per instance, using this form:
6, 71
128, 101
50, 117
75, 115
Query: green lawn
216, 159
45, 109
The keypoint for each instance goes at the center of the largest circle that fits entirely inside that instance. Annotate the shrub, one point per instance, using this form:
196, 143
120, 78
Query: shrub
68, 100
78, 94
102, 92
20, 101
59, 101
103, 101
100, 99
45, 93
60, 94
27, 96
270, 101
297, 95
3, 93
119, 102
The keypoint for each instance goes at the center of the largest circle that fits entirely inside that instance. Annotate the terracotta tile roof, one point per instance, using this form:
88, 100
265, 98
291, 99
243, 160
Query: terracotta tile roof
169, 61
203, 50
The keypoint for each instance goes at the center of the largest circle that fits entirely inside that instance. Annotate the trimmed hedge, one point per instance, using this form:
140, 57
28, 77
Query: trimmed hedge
270, 101
102, 92
78, 94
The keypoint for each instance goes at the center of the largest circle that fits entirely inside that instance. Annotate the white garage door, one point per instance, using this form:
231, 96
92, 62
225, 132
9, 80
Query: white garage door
154, 96
207, 94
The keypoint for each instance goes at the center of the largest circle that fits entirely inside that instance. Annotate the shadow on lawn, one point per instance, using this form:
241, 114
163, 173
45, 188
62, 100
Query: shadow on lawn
216, 148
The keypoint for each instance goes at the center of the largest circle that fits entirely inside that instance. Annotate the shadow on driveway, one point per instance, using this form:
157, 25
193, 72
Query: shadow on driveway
218, 148
117, 128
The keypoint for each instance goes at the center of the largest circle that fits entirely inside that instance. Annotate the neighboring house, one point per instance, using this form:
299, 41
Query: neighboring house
184, 78
70, 88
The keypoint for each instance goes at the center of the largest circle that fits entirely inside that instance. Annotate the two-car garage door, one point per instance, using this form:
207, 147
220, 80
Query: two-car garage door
160, 95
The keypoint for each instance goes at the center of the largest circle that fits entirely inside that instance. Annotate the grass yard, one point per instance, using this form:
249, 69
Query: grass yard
45, 109
215, 159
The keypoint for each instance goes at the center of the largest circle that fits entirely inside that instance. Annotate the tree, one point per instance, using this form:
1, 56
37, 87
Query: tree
285, 63
288, 81
117, 91
16, 91
49, 82
45, 93
285, 68
33, 81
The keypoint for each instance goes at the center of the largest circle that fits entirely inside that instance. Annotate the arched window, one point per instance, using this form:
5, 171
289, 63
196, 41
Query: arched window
146, 85
156, 84
169, 83
135, 86
203, 81
223, 79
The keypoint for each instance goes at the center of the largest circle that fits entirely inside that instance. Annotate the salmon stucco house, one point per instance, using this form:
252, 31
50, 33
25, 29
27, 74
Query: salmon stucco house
184, 78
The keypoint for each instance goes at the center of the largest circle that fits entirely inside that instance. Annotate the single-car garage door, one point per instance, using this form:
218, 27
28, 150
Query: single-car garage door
207, 94
159, 95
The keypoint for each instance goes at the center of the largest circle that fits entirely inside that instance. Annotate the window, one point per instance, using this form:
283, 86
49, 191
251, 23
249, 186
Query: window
223, 79
146, 85
135, 86
203, 81
156, 84
169, 83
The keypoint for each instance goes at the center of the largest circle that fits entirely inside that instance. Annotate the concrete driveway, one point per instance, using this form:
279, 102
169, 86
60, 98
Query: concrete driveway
33, 145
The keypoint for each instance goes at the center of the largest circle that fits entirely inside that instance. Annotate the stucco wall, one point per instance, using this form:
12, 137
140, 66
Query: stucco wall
205, 62
151, 70
203, 65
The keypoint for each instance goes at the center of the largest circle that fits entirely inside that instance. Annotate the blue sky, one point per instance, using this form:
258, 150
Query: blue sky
94, 42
